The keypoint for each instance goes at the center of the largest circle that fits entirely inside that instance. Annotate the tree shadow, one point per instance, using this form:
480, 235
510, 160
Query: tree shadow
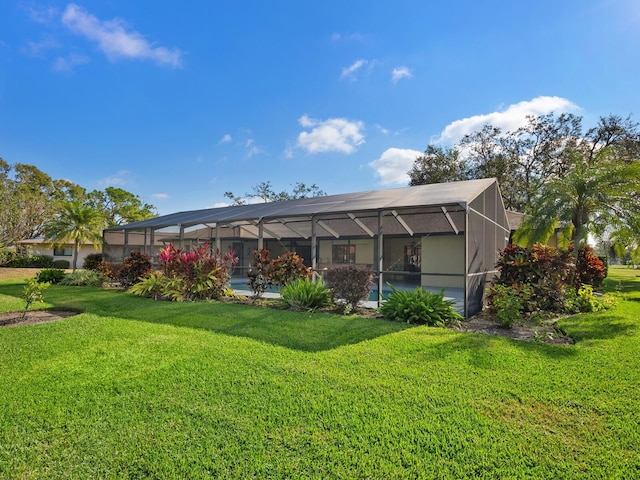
602, 326
303, 331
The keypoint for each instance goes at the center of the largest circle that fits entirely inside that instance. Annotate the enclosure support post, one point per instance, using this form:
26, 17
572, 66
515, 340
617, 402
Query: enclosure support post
181, 238
152, 242
380, 257
314, 249
466, 263
218, 241
260, 235
126, 244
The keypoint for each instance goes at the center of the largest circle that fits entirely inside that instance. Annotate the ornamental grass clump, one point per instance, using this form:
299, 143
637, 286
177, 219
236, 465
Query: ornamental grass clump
305, 295
419, 306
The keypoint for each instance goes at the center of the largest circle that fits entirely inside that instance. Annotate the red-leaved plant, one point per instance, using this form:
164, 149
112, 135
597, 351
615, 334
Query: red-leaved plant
197, 274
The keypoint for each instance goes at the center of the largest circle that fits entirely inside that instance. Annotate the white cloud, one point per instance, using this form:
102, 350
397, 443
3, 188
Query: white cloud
116, 39
351, 72
160, 196
381, 129
399, 73
121, 177
393, 165
513, 117
226, 138
68, 63
331, 135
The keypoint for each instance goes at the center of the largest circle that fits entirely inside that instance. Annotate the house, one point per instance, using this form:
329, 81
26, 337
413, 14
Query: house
40, 246
439, 236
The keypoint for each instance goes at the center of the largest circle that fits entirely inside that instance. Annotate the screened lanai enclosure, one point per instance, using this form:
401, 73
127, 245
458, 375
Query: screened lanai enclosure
439, 236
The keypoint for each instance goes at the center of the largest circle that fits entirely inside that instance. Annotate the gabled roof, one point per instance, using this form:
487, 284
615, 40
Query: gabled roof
433, 195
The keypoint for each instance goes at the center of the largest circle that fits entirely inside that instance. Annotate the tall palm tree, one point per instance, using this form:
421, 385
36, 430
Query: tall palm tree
75, 223
594, 196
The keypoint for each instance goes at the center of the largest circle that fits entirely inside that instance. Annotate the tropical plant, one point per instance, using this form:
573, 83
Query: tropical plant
304, 294
288, 268
259, 279
84, 278
75, 223
419, 306
135, 266
198, 274
153, 285
350, 284
596, 194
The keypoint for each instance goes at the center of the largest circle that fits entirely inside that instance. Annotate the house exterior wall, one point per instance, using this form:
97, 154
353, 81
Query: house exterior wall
44, 249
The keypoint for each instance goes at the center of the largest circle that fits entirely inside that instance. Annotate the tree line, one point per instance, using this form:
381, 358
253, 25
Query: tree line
565, 178
35, 205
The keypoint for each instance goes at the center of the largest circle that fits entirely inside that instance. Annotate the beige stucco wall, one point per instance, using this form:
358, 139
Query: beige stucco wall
443, 254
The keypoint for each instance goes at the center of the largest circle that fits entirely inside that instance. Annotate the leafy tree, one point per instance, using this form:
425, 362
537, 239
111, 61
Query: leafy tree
595, 195
120, 206
25, 193
265, 192
75, 223
438, 165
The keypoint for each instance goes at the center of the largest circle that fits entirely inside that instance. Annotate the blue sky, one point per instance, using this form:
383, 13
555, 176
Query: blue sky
179, 102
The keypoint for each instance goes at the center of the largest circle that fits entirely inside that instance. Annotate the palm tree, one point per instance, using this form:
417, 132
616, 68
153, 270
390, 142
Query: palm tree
594, 196
78, 223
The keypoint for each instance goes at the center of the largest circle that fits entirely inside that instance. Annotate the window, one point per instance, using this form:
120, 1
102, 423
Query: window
62, 252
344, 254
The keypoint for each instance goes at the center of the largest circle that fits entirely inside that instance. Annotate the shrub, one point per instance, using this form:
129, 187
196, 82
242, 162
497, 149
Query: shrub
153, 285
584, 300
507, 303
50, 275
135, 266
110, 270
259, 273
351, 283
32, 293
6, 256
92, 261
419, 306
590, 269
31, 261
62, 264
544, 268
283, 270
197, 274
303, 294
288, 268
84, 278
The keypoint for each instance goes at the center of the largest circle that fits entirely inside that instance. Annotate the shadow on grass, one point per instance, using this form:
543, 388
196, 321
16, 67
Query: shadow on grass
601, 326
308, 332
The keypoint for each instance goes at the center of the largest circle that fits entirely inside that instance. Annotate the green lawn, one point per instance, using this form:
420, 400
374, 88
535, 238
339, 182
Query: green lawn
139, 389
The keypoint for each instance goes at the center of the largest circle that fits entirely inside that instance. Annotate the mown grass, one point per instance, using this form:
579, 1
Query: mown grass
137, 389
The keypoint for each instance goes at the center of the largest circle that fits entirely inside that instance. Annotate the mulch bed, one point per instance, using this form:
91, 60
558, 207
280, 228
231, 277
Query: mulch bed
14, 319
